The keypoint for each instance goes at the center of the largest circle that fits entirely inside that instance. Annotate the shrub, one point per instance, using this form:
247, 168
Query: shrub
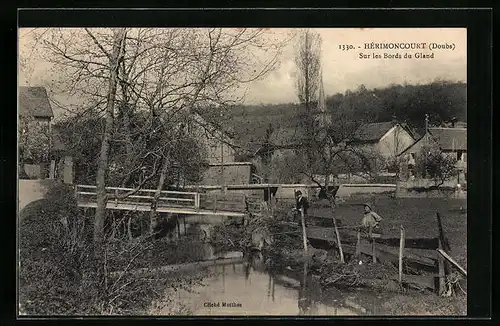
432, 163
58, 273
50, 263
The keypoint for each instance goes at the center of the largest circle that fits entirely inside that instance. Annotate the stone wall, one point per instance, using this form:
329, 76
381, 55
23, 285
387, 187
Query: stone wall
347, 190
413, 189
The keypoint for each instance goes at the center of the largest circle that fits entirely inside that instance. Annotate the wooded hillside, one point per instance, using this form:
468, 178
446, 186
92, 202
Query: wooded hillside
441, 100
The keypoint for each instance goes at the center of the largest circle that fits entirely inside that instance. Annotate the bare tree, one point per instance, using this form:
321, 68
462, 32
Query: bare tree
325, 148
308, 64
114, 64
159, 73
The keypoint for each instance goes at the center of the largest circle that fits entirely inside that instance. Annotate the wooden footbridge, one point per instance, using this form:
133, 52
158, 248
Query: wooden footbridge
175, 202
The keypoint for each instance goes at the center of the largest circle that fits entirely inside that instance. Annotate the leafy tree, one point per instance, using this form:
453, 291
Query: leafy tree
436, 165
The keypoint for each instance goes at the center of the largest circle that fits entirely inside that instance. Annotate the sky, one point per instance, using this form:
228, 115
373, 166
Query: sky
342, 70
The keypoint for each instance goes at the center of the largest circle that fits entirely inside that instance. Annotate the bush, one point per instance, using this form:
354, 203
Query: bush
50, 261
432, 163
57, 270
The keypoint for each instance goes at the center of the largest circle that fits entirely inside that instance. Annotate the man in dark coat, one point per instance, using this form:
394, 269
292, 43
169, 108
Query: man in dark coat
301, 204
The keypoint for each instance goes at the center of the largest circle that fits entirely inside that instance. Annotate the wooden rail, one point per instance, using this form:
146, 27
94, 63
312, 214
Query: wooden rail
144, 198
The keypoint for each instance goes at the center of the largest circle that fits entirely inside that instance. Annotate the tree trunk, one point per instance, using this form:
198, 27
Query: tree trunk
118, 35
161, 182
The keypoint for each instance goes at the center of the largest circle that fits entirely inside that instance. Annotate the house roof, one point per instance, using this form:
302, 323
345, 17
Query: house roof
412, 131
450, 138
34, 101
372, 132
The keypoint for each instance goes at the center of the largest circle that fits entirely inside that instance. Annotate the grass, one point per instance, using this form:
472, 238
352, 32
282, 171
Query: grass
417, 215
424, 304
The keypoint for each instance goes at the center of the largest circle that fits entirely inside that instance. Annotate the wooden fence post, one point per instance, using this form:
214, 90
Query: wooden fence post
374, 256
401, 249
358, 243
442, 264
442, 275
215, 203
304, 235
339, 243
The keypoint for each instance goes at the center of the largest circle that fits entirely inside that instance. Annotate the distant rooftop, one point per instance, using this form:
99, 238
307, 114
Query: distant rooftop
450, 138
372, 132
34, 101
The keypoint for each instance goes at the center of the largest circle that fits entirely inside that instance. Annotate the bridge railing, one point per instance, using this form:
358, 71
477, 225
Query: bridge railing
192, 200
87, 193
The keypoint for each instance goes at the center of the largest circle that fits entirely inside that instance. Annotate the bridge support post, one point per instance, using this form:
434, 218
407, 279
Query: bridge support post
197, 201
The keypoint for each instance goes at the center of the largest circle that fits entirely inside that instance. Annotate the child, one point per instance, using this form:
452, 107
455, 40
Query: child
371, 219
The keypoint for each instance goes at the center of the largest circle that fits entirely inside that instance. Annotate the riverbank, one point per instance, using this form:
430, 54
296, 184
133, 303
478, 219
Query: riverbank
285, 254
253, 289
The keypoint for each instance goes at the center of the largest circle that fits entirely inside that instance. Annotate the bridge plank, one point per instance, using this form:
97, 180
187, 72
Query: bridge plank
162, 209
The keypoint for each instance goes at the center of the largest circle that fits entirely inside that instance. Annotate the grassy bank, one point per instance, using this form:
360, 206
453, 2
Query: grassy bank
58, 274
417, 215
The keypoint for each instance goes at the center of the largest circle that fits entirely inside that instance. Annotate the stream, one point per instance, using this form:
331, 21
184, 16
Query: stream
250, 288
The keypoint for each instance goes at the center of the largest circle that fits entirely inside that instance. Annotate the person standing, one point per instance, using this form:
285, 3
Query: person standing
371, 220
301, 204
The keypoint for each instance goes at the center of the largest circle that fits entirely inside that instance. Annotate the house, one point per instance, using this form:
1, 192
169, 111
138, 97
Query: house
217, 142
451, 142
269, 155
34, 111
34, 129
388, 139
34, 103
220, 147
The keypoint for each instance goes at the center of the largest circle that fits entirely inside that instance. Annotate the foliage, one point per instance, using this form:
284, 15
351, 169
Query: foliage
425, 304
434, 164
442, 100
82, 136
34, 140
51, 255
57, 272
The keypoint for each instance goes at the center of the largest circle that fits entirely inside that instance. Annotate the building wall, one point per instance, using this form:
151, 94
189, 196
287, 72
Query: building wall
394, 142
229, 174
219, 152
415, 149
215, 144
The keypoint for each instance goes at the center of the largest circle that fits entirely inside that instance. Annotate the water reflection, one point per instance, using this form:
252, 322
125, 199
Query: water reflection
252, 288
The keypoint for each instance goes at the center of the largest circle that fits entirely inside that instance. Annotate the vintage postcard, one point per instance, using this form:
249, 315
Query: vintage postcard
242, 172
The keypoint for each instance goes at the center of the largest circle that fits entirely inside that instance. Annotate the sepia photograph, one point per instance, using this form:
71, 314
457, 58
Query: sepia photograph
242, 171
